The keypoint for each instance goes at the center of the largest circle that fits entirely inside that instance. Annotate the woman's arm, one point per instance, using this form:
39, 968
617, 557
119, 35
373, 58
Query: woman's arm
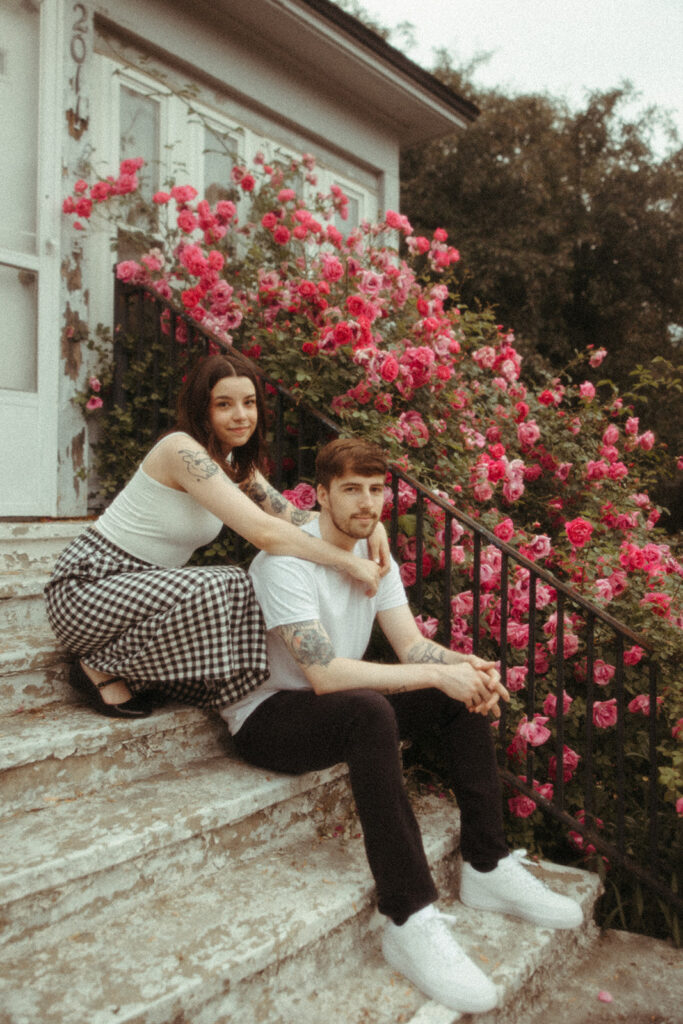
271, 501
183, 463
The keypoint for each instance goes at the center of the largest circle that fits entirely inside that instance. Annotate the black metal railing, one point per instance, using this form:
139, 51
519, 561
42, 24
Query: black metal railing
625, 833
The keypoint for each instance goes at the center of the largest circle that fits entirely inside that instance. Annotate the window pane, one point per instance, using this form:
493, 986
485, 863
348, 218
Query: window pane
353, 216
19, 77
220, 155
140, 137
18, 329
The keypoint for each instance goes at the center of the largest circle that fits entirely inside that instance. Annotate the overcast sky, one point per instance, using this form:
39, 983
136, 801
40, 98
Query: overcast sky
563, 47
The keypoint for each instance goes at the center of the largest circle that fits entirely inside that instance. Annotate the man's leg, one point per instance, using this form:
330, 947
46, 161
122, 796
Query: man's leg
298, 731
491, 878
469, 755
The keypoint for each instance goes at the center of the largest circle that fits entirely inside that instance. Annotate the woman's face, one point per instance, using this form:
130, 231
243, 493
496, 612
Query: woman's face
233, 413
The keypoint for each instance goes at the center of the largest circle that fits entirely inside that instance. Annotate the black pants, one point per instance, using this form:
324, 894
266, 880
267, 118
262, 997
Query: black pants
297, 731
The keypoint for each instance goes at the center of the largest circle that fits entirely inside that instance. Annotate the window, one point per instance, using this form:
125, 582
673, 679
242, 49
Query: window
221, 153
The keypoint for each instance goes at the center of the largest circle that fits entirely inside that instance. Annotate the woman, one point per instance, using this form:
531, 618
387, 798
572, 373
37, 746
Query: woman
118, 598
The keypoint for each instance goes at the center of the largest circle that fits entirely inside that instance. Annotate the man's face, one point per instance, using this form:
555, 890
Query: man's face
353, 503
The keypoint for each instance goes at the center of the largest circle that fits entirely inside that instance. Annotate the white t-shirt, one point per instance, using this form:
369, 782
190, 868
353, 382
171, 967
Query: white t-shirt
293, 590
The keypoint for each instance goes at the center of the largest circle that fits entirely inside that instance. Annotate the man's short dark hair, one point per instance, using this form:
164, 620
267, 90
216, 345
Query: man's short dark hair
349, 455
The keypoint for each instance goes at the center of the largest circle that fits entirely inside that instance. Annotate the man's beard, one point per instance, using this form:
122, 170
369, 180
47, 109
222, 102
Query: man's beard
362, 533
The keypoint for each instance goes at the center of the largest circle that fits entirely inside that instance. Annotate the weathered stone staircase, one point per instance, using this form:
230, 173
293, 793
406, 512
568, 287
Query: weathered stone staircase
148, 876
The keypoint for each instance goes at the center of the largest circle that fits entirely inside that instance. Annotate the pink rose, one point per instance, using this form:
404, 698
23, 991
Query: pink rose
128, 270
550, 704
518, 634
281, 234
303, 496
528, 433
646, 440
679, 806
570, 762
534, 732
522, 806
183, 193
578, 531
408, 573
187, 222
505, 530
633, 655
641, 704
605, 713
427, 626
94, 402
597, 357
602, 672
389, 369
587, 390
516, 678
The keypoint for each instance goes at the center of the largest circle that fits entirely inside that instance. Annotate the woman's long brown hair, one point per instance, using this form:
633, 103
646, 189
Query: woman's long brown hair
193, 412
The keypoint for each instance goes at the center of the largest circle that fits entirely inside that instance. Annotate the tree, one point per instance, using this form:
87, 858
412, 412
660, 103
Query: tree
570, 226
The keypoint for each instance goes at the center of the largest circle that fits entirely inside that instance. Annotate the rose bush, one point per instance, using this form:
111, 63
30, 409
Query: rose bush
559, 471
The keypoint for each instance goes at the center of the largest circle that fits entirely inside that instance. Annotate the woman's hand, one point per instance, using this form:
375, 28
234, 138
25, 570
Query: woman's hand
378, 547
363, 571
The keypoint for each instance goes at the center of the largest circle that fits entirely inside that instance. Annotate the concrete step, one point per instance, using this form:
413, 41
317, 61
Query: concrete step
67, 863
525, 962
62, 751
276, 939
182, 949
36, 544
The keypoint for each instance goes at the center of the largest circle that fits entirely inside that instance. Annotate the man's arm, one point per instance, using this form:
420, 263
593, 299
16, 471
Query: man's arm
310, 645
411, 647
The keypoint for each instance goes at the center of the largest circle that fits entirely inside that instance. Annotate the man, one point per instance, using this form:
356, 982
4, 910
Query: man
323, 705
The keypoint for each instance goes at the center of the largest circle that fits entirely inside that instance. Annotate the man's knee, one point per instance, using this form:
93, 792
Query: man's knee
372, 717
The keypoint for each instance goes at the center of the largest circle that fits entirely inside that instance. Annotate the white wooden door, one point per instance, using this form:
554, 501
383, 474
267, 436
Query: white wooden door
29, 322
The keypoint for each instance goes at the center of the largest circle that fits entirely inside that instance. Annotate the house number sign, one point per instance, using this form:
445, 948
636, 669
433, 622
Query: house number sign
78, 50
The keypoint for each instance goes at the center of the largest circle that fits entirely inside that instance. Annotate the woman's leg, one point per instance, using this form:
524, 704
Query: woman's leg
298, 731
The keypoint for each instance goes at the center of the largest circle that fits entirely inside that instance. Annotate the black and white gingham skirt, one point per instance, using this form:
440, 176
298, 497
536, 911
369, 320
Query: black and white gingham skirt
195, 634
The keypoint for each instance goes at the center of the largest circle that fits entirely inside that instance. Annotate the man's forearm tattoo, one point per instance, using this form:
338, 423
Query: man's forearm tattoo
307, 642
199, 465
425, 650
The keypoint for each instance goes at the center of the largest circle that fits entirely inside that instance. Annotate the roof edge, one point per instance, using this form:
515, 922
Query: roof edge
370, 39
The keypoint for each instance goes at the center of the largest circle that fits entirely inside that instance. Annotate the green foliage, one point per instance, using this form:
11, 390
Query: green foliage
570, 226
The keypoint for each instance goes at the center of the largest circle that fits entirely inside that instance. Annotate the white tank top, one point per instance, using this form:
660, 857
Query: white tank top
157, 523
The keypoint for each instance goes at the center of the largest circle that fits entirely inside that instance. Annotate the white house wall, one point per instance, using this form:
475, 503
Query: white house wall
279, 75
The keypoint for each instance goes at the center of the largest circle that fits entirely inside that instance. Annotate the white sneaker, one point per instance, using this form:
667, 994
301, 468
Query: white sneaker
511, 889
424, 950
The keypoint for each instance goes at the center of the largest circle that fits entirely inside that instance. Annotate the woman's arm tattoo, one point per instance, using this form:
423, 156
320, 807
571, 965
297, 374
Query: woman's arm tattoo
300, 516
425, 650
263, 495
307, 642
199, 465
267, 495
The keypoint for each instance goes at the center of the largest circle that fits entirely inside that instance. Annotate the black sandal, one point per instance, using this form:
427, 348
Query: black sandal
135, 707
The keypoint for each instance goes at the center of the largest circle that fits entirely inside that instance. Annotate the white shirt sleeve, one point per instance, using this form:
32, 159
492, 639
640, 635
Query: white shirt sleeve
285, 588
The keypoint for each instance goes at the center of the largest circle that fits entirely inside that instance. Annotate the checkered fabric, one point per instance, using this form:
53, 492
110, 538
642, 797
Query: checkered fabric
195, 634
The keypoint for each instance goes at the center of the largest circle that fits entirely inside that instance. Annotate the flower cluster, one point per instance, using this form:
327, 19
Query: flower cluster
561, 471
